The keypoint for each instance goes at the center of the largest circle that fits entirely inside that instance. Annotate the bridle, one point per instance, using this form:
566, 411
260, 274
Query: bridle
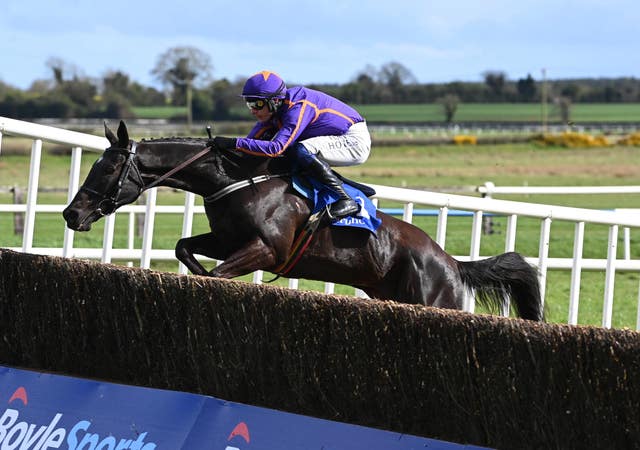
109, 203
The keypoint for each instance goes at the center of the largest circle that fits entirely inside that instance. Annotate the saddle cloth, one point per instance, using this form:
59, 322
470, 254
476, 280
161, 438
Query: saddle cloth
322, 196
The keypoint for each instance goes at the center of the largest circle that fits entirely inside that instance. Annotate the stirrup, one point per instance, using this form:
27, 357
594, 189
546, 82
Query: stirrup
334, 217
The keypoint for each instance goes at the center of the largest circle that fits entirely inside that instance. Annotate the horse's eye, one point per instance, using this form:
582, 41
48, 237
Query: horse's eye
108, 170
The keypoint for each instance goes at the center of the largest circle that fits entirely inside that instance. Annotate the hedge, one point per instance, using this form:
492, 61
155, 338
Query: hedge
478, 379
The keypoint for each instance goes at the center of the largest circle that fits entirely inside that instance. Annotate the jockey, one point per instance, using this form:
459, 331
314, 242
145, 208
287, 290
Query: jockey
317, 130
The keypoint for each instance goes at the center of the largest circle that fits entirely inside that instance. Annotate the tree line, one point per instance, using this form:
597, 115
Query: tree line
185, 76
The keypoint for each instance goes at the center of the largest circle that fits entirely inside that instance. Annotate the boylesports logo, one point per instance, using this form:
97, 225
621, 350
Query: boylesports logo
239, 435
22, 435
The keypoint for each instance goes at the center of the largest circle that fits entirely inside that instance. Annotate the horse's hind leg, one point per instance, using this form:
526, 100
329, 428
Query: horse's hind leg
431, 281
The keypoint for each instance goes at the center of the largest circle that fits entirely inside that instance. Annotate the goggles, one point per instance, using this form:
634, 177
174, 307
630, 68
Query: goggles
256, 103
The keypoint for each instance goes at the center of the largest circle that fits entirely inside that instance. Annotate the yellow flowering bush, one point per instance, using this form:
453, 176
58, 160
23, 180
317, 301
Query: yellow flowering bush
463, 139
632, 139
573, 139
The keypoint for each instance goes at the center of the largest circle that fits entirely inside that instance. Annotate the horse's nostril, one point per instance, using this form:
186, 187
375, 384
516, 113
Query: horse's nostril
70, 216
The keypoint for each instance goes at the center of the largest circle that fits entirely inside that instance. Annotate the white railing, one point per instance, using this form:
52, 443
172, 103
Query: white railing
446, 204
488, 189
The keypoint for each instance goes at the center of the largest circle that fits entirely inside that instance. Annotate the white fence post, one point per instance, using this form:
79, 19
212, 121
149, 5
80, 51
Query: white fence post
107, 240
74, 183
149, 222
509, 246
626, 232
131, 233
187, 224
441, 233
32, 195
407, 214
510, 234
543, 255
474, 254
610, 276
576, 273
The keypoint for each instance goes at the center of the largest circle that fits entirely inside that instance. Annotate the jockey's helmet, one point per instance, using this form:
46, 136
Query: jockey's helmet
266, 85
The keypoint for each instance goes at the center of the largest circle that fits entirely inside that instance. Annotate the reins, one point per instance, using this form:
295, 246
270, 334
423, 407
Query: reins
178, 168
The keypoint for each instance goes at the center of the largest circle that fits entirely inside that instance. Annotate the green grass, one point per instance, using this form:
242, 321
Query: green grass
501, 112
442, 168
159, 112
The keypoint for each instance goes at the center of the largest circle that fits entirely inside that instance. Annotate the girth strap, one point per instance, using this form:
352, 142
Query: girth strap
300, 244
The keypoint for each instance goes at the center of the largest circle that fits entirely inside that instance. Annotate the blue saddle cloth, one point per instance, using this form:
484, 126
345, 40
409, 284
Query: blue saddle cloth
321, 196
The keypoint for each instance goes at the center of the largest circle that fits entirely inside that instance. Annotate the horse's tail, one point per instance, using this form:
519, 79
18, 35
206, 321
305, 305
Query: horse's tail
507, 275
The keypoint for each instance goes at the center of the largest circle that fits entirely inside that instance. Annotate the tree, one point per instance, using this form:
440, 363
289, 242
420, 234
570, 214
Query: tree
395, 76
179, 68
62, 70
571, 91
362, 90
495, 80
116, 83
449, 105
72, 93
117, 107
526, 88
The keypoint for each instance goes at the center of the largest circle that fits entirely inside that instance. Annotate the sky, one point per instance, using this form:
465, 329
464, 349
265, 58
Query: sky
324, 41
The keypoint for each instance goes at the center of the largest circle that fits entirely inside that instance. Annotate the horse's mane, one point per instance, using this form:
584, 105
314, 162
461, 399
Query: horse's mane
184, 140
277, 165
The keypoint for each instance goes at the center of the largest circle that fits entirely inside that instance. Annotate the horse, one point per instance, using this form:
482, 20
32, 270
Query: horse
256, 216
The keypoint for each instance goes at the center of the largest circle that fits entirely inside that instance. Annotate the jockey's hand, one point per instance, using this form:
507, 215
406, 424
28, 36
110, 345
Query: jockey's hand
222, 143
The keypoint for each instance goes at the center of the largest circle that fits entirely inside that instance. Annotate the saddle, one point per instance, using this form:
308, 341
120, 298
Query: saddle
322, 197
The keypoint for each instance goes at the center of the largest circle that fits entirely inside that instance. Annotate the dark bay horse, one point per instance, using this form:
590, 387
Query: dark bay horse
254, 225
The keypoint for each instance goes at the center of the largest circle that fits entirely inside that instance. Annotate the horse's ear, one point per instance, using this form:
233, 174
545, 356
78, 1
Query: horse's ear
123, 135
109, 135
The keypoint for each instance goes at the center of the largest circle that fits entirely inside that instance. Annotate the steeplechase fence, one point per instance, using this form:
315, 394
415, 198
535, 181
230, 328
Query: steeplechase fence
446, 205
472, 379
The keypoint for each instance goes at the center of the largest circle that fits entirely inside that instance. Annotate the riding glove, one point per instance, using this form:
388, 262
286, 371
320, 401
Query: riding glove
222, 143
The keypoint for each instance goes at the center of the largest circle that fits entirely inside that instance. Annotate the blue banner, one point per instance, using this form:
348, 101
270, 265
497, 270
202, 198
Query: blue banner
44, 411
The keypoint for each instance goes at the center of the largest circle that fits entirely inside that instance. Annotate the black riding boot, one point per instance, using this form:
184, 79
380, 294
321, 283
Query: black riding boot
344, 207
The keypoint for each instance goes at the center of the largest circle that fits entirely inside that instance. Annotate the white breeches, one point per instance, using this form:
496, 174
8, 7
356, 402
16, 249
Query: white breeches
349, 149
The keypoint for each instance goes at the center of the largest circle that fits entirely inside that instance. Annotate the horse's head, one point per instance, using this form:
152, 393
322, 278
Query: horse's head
113, 181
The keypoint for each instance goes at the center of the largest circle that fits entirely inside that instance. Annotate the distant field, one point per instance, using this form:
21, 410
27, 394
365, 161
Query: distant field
467, 112
501, 112
159, 112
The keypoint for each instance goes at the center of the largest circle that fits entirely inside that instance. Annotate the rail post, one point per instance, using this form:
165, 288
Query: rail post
18, 217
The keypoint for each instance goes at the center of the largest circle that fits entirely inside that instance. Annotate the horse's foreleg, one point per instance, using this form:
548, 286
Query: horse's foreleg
254, 255
201, 245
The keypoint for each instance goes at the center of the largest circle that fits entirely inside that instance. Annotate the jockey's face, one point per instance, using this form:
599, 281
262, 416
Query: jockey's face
262, 115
